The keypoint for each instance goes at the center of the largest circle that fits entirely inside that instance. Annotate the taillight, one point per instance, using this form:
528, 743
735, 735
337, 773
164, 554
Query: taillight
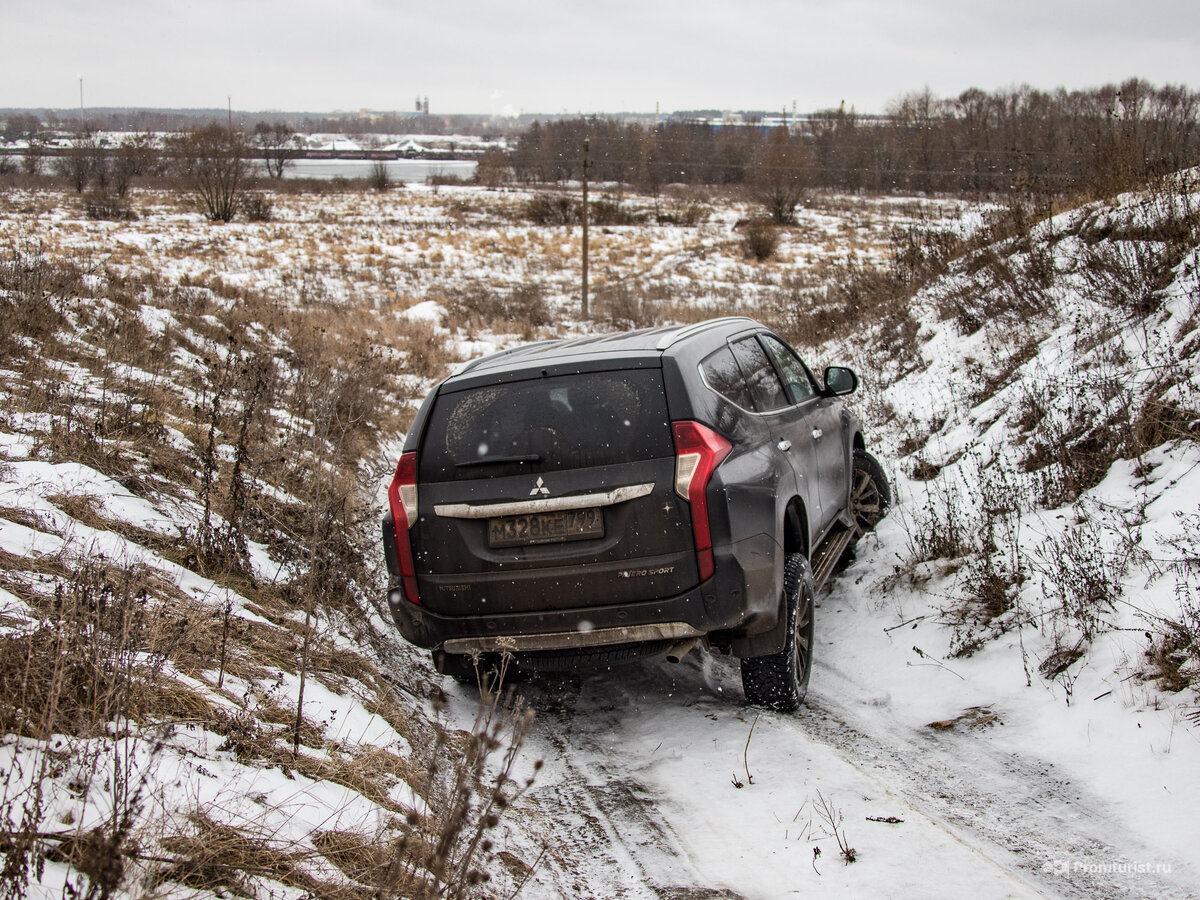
402, 496
698, 452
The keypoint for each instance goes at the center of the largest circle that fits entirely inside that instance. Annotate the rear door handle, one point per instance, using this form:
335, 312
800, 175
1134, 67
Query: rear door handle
817, 432
785, 446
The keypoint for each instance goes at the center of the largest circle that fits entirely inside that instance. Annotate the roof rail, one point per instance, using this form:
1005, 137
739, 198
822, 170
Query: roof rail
492, 357
673, 337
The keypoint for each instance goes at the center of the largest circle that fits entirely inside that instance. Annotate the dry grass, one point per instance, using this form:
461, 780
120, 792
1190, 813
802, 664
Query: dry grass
276, 407
410, 856
1173, 656
255, 389
212, 856
840, 299
95, 655
426, 352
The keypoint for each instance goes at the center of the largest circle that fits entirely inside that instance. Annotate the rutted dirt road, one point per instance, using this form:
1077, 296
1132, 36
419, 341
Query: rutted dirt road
639, 798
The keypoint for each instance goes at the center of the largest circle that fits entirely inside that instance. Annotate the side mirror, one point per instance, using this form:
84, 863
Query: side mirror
840, 380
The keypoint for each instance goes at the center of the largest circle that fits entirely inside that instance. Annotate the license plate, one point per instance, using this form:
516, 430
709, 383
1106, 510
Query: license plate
546, 528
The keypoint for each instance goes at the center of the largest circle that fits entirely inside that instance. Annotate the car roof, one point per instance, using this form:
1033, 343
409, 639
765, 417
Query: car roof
644, 344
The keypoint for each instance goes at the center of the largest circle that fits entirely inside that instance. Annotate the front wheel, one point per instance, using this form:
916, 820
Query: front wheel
779, 681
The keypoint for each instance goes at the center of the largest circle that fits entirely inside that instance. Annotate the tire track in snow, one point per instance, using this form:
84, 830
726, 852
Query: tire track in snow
610, 841
1012, 809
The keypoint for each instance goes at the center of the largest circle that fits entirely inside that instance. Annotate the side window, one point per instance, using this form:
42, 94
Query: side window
723, 375
765, 386
796, 379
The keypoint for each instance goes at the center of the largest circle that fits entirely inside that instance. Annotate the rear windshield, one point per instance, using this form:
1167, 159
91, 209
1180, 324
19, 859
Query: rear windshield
547, 424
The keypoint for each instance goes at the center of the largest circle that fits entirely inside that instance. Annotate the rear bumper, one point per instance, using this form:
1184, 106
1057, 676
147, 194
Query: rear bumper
740, 599
574, 640
676, 617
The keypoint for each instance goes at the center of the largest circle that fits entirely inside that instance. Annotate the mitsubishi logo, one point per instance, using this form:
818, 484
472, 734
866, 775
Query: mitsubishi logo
539, 488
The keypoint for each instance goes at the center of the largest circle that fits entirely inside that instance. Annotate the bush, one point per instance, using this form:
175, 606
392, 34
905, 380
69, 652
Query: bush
493, 169
760, 240
443, 179
552, 209
527, 305
380, 178
1081, 578
102, 204
278, 146
93, 659
257, 207
921, 253
35, 285
609, 212
944, 528
1130, 276
688, 209
31, 162
524, 306
1174, 652
82, 163
625, 307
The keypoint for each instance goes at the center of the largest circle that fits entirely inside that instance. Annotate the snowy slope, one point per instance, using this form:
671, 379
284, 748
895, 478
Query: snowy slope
982, 673
1009, 665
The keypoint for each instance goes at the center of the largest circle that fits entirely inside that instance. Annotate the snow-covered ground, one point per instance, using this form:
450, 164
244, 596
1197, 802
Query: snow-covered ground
969, 729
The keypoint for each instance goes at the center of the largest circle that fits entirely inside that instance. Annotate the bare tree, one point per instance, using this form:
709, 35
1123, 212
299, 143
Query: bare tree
278, 145
648, 176
20, 126
83, 162
212, 162
16, 128
380, 178
135, 157
780, 175
31, 162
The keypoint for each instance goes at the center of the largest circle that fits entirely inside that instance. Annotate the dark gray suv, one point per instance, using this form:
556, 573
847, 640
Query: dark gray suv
582, 502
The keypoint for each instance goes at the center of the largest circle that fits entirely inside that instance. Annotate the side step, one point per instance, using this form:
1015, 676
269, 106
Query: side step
829, 553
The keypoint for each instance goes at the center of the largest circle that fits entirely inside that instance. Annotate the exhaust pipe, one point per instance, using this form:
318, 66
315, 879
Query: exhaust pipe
680, 649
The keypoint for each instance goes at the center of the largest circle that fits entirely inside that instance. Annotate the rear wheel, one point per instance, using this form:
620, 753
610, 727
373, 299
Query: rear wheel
779, 681
870, 493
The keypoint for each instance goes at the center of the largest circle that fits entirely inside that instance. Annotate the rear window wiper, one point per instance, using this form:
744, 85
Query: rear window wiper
500, 460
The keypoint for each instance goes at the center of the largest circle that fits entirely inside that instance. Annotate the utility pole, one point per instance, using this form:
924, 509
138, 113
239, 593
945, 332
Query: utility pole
584, 217
81, 126
229, 101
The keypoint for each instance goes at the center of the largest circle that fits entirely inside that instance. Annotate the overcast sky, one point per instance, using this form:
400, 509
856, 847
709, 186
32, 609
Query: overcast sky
517, 56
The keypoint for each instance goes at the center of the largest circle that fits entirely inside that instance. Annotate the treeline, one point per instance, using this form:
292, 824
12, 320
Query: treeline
1020, 139
18, 125
219, 167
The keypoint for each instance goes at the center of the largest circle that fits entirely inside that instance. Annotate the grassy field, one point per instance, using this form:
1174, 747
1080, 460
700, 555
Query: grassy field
198, 421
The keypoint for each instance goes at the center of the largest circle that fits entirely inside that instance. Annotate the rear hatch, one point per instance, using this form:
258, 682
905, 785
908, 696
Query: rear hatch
551, 493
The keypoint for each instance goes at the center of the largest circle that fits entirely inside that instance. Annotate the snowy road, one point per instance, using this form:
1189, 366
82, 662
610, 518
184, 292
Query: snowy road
638, 799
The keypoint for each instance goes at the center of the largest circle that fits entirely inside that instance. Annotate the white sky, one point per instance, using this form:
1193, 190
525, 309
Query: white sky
474, 56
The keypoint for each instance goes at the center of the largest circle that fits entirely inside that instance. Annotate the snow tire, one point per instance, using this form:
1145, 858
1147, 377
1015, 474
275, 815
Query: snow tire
779, 681
870, 493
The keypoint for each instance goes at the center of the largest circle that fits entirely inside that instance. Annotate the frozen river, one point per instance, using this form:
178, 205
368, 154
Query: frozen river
407, 170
